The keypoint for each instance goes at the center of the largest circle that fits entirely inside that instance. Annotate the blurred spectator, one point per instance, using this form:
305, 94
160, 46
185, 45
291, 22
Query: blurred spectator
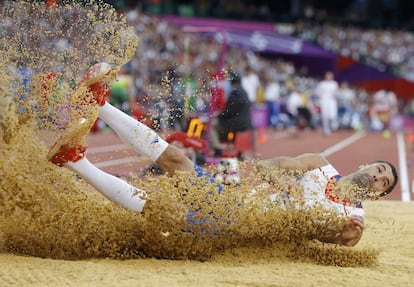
217, 83
271, 96
293, 103
360, 117
251, 83
235, 115
175, 99
384, 106
327, 92
346, 105
306, 112
386, 49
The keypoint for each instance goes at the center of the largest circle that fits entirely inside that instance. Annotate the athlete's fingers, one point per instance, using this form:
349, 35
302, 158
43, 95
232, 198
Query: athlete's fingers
359, 221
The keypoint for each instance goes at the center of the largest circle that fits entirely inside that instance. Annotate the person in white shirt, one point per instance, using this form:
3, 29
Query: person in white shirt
272, 96
294, 101
385, 105
327, 92
346, 105
251, 83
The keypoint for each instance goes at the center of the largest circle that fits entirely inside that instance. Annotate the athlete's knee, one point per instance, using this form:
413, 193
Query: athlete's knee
174, 159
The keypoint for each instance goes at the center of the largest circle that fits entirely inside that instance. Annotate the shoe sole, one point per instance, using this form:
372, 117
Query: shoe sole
109, 74
73, 135
103, 77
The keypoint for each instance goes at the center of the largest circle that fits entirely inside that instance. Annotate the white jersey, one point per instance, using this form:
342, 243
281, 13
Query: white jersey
316, 192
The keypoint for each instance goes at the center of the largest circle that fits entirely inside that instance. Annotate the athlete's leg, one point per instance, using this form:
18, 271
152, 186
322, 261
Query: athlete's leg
141, 137
69, 150
112, 187
145, 140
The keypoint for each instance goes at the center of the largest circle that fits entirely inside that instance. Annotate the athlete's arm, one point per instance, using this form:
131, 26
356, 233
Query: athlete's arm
303, 162
294, 165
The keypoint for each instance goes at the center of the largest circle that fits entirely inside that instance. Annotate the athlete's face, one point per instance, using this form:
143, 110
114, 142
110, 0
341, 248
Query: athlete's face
372, 180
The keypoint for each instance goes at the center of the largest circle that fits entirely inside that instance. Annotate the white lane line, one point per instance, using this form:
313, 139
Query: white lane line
119, 161
344, 143
402, 159
107, 148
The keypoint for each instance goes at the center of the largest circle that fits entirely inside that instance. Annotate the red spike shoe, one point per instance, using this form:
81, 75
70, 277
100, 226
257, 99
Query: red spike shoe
96, 81
71, 146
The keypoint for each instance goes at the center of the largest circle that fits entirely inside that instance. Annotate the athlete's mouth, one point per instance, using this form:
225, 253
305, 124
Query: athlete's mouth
365, 181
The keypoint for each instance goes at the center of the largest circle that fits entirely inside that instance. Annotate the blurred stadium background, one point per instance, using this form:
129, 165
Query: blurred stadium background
367, 44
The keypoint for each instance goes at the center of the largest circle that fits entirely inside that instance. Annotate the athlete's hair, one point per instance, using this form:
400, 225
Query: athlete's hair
394, 173
234, 78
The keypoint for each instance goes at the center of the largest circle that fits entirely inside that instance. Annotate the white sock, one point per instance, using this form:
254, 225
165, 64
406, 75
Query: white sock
142, 138
111, 186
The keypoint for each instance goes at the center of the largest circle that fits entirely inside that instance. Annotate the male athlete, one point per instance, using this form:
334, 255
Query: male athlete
320, 182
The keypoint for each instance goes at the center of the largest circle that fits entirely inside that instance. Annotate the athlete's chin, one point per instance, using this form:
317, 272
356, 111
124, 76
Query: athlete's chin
360, 192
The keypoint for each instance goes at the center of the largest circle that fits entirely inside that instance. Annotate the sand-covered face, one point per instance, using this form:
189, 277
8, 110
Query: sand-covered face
48, 211
372, 180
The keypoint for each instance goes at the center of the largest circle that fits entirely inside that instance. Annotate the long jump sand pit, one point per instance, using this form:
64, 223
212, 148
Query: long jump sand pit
389, 227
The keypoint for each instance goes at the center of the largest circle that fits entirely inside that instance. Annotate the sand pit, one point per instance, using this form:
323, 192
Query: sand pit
389, 227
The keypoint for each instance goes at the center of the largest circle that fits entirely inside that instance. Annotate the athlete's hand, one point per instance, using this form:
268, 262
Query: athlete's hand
352, 231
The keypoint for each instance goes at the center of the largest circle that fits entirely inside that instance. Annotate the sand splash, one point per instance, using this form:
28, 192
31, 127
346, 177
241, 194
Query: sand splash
48, 211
